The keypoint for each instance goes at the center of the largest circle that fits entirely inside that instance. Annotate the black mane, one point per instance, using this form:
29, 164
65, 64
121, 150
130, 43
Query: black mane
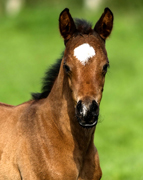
83, 27
48, 81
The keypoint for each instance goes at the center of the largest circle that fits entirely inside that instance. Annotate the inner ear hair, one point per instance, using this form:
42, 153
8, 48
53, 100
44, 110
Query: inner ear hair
105, 24
66, 24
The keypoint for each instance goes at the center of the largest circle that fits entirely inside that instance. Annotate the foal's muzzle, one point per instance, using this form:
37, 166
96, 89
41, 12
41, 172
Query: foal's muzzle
87, 113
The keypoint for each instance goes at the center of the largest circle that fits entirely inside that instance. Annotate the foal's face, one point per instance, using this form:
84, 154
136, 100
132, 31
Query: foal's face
85, 64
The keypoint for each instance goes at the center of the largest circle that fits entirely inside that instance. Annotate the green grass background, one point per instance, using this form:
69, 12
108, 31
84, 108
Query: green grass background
30, 42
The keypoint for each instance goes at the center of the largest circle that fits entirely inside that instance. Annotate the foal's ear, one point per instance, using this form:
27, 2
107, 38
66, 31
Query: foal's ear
66, 24
104, 25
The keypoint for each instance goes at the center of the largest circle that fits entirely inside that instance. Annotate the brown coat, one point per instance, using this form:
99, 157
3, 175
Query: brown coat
42, 139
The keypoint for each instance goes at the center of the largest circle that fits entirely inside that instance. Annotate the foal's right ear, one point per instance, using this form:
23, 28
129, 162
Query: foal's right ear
66, 24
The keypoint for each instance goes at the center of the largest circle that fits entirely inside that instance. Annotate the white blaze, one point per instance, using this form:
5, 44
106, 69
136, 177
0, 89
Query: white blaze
84, 52
84, 110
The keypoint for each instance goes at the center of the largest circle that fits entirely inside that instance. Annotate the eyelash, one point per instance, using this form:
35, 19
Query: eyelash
105, 67
66, 68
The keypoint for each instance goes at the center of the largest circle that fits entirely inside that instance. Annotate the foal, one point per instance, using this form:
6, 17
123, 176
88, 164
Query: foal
51, 136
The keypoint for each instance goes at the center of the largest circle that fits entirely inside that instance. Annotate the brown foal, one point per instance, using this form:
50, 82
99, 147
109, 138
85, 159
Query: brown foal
51, 136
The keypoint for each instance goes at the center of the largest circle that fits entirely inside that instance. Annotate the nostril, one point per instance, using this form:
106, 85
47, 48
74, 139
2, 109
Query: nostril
79, 106
94, 106
94, 103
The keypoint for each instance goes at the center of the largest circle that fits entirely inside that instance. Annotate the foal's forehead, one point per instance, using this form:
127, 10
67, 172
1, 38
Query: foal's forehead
86, 47
84, 52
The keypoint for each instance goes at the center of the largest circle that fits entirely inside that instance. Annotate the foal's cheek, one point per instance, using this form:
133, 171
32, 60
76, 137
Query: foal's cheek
73, 90
99, 97
100, 93
70, 84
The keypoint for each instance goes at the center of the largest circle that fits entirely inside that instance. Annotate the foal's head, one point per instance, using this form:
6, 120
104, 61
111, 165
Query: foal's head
86, 62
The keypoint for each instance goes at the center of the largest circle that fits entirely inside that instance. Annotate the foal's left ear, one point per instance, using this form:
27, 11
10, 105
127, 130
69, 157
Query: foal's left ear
104, 25
66, 24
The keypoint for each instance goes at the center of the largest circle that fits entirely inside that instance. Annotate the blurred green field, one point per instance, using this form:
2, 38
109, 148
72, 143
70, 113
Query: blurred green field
30, 42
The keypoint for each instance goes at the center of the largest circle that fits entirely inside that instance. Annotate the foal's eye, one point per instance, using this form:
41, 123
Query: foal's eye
67, 69
105, 67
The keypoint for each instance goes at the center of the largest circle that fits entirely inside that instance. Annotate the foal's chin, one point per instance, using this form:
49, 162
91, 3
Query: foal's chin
87, 123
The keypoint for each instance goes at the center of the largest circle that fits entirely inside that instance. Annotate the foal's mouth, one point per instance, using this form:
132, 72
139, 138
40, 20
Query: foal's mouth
87, 123
87, 116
